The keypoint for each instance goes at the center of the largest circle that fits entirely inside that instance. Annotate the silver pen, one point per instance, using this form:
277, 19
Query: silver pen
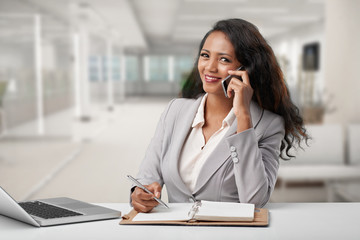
138, 184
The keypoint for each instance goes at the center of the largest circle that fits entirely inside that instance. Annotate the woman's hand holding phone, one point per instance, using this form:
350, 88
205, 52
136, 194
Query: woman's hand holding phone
226, 81
243, 92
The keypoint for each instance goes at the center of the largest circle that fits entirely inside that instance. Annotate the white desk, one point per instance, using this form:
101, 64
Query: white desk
287, 221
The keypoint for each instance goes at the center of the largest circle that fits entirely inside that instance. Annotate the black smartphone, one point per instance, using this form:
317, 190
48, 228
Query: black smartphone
226, 81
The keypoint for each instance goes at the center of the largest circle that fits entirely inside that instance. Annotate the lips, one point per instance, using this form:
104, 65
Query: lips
211, 79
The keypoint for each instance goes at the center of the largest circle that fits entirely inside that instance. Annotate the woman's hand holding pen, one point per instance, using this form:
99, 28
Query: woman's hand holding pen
243, 93
143, 201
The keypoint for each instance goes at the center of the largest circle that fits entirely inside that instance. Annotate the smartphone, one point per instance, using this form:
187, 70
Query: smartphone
226, 81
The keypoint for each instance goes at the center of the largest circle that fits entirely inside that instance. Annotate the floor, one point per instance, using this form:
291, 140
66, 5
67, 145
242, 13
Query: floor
84, 160
89, 160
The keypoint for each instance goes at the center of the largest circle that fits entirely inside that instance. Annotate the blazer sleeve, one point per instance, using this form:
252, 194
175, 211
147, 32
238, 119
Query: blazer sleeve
150, 168
257, 162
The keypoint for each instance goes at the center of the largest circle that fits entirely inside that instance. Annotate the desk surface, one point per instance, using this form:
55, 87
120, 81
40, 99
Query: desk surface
287, 221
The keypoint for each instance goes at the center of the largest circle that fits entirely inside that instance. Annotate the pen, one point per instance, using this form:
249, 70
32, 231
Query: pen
138, 184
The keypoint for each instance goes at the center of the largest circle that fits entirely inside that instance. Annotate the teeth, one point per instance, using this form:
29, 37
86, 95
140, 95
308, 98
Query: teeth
211, 78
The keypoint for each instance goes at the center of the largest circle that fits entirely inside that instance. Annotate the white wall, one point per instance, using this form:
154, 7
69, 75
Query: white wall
343, 59
338, 78
290, 45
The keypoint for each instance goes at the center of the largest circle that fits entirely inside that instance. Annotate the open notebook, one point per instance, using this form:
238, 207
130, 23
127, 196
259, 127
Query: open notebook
200, 211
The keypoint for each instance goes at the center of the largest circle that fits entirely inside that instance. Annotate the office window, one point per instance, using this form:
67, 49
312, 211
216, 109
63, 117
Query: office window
115, 66
94, 68
98, 68
156, 68
183, 66
132, 68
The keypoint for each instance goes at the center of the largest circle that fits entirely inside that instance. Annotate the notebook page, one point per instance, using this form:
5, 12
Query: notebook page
176, 212
225, 211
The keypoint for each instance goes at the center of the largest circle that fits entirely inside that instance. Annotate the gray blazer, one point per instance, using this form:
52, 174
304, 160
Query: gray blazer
242, 168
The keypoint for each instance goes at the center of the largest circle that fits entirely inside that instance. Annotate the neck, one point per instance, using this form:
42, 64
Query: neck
218, 105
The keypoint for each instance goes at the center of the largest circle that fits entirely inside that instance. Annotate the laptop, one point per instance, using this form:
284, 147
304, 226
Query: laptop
53, 211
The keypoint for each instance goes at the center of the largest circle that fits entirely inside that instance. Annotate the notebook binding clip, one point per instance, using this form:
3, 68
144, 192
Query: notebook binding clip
194, 209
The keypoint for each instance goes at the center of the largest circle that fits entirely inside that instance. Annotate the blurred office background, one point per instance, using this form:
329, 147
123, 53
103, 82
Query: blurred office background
83, 84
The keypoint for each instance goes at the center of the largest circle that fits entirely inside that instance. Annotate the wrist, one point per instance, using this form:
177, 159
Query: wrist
243, 123
242, 111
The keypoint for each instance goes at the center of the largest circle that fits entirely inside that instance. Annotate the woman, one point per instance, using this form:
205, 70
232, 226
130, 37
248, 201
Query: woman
210, 147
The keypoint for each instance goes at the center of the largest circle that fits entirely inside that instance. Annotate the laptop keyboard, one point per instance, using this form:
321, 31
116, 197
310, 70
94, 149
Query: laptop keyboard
46, 211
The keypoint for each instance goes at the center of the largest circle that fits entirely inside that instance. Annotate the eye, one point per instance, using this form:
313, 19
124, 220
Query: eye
224, 59
204, 55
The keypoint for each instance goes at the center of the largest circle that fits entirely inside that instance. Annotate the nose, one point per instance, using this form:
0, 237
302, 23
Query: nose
211, 65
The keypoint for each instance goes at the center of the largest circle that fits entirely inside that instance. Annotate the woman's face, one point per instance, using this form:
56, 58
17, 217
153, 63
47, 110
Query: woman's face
216, 58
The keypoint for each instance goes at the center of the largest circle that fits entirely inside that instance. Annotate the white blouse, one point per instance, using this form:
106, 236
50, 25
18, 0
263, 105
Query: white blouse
195, 152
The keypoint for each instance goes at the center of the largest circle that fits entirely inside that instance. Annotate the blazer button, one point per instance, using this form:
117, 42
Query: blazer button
232, 148
233, 154
235, 160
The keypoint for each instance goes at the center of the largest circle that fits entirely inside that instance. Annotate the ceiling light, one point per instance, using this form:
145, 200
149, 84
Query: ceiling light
261, 10
195, 28
272, 31
217, 1
297, 19
189, 17
316, 1
194, 37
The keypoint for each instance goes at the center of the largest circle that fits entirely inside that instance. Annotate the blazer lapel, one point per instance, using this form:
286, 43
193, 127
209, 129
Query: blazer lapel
182, 128
221, 153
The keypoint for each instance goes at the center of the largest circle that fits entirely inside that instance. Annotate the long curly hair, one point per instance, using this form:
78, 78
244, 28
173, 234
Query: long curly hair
266, 78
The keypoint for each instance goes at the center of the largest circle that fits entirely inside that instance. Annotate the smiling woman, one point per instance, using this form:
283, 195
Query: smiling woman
217, 57
264, 74
208, 146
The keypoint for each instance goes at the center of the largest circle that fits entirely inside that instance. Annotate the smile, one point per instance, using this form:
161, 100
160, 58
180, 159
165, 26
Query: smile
211, 79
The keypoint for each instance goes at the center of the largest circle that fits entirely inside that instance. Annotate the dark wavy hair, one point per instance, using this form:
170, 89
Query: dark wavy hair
266, 78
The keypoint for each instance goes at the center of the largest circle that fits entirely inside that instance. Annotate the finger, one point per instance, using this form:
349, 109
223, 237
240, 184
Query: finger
147, 203
229, 90
141, 194
245, 78
155, 188
143, 198
234, 85
141, 208
243, 74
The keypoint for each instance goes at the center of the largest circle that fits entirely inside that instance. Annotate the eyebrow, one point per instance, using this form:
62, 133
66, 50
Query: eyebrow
218, 53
